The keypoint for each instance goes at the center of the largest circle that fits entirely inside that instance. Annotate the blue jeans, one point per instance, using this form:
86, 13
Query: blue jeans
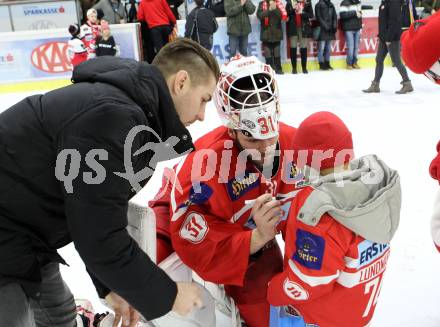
54, 307
352, 38
238, 43
324, 51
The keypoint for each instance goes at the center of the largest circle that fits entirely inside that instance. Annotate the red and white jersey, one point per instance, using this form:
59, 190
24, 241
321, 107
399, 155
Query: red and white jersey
332, 277
211, 225
77, 51
89, 33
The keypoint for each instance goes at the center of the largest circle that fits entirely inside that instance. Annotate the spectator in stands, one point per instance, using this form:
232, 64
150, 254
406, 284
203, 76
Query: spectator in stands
430, 7
299, 30
201, 25
217, 7
114, 11
90, 31
326, 16
105, 44
238, 24
271, 13
390, 28
174, 6
77, 50
409, 14
350, 12
160, 20
131, 11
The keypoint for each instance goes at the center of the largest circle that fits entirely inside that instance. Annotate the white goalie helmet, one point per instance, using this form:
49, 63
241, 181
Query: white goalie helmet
247, 98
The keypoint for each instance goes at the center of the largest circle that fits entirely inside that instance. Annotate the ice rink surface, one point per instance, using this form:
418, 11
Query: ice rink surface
402, 130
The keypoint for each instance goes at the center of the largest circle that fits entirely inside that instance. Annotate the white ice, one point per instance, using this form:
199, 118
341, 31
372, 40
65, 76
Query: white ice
401, 129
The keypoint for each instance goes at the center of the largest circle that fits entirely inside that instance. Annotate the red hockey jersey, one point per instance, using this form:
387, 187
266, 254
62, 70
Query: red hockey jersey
211, 225
332, 277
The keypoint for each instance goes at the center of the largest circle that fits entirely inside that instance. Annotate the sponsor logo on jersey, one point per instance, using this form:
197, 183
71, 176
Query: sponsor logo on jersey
295, 291
33, 10
194, 229
295, 174
369, 251
51, 57
309, 249
237, 187
374, 269
197, 195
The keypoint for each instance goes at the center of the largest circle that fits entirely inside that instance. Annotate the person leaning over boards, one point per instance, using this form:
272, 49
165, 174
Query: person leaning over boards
40, 211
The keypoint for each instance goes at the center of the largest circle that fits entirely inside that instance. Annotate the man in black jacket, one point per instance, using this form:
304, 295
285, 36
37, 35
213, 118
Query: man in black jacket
350, 12
68, 166
390, 28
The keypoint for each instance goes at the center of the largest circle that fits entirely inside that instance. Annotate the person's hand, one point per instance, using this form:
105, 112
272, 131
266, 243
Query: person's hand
123, 310
433, 11
189, 296
242, 2
359, 14
388, 43
266, 213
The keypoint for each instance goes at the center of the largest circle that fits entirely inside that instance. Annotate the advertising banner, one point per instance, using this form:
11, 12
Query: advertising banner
36, 55
43, 15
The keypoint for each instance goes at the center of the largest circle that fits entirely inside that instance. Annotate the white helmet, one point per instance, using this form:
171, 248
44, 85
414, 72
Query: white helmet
247, 98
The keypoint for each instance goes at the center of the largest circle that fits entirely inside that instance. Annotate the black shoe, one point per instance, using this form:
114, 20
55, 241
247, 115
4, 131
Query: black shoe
327, 64
303, 52
322, 66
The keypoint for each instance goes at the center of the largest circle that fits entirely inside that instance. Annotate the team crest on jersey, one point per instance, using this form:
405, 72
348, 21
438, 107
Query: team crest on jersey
370, 251
237, 187
309, 249
194, 229
293, 173
295, 291
197, 195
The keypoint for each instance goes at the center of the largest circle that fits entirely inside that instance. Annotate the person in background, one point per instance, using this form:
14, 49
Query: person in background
160, 20
350, 12
77, 50
299, 30
434, 170
201, 25
271, 13
217, 7
174, 6
238, 24
114, 11
430, 7
338, 231
90, 31
105, 44
409, 13
131, 11
390, 29
326, 16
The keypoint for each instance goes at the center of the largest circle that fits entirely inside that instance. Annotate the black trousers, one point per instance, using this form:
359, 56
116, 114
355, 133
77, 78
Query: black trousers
159, 36
394, 50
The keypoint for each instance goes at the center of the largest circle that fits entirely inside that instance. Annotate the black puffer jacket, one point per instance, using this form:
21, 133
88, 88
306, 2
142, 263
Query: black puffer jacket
326, 16
348, 13
390, 20
306, 16
38, 215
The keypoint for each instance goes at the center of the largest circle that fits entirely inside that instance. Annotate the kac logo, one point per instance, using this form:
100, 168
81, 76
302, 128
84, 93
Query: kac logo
51, 57
295, 291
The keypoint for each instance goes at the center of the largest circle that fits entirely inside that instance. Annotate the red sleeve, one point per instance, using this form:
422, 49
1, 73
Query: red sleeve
140, 13
314, 258
168, 11
202, 235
